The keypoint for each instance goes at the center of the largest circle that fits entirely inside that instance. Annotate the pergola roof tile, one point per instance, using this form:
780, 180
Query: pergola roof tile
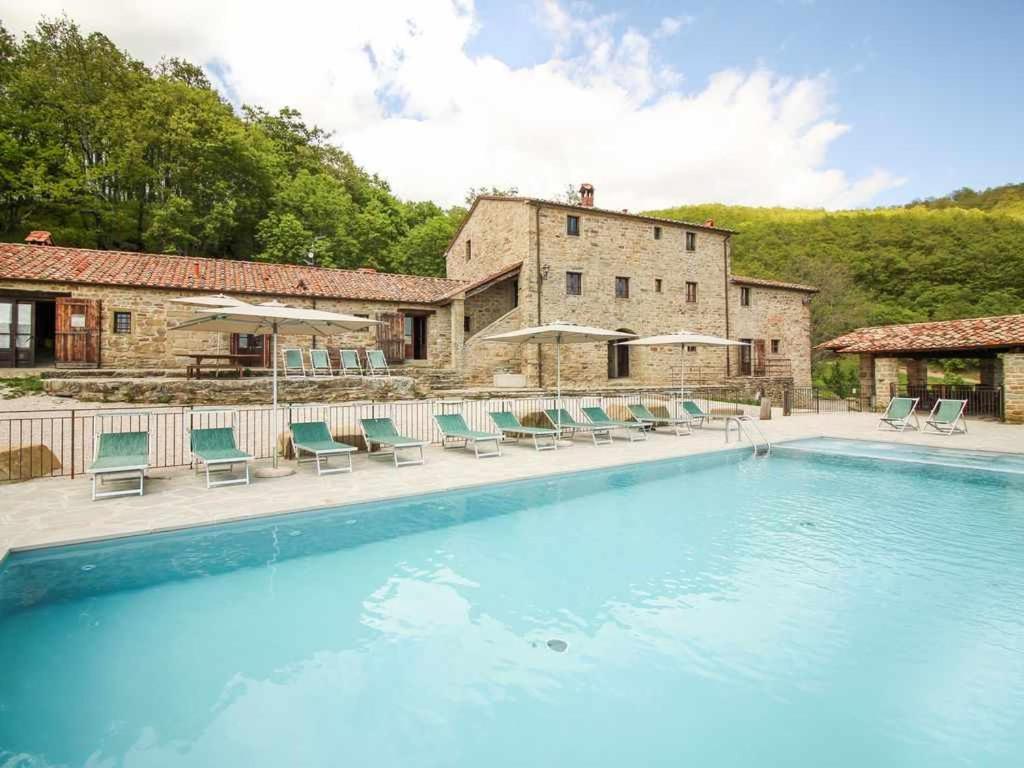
981, 333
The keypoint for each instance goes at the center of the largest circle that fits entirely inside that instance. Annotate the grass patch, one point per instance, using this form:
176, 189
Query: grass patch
20, 386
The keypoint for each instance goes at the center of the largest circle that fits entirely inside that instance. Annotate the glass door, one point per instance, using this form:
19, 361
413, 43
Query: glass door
25, 337
6, 334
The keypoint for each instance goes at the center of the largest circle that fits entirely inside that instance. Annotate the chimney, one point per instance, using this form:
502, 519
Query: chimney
39, 237
587, 195
709, 223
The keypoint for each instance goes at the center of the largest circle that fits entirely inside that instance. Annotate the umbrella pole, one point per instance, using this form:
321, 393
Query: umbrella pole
273, 351
682, 373
558, 383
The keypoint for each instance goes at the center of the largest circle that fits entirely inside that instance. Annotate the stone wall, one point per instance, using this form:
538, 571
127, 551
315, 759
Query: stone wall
499, 231
887, 376
917, 372
1013, 387
485, 358
778, 314
152, 344
485, 307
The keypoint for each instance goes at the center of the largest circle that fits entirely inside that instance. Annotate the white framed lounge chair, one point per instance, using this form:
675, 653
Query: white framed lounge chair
564, 422
215, 449
597, 416
377, 363
119, 457
947, 417
314, 439
643, 414
455, 430
695, 413
900, 415
348, 360
544, 439
294, 363
383, 433
320, 363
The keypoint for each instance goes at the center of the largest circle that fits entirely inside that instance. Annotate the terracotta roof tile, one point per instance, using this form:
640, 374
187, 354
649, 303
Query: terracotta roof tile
938, 336
738, 280
150, 270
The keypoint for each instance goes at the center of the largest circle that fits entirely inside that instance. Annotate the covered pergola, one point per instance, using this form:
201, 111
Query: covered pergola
997, 342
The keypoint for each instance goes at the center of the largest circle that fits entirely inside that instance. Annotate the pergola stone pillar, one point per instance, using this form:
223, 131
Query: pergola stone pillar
887, 378
1013, 387
917, 372
991, 372
866, 379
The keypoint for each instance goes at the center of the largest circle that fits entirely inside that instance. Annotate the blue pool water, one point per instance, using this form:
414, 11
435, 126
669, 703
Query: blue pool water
800, 610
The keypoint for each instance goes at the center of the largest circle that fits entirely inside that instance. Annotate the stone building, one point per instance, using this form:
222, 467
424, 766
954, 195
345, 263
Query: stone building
515, 262
997, 343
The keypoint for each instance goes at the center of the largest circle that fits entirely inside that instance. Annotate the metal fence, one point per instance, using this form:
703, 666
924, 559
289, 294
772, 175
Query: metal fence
981, 401
812, 400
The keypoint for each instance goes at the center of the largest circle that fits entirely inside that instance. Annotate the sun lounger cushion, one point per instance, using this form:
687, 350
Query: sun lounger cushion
216, 444
453, 425
121, 449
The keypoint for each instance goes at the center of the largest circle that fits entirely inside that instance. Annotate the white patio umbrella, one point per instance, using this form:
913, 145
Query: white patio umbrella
214, 300
559, 333
683, 339
273, 318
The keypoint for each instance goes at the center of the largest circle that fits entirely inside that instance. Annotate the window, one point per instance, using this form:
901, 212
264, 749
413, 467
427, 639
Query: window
691, 293
469, 249
618, 358
657, 233
572, 225
691, 348
573, 283
657, 285
122, 322
691, 241
621, 287
776, 346
744, 297
465, 323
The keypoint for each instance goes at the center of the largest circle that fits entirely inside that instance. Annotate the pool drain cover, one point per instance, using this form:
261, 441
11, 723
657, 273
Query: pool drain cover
559, 646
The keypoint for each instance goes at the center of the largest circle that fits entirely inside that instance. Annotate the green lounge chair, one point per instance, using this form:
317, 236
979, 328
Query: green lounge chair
634, 429
313, 437
899, 414
320, 363
563, 421
454, 428
643, 414
947, 417
697, 415
377, 363
382, 433
120, 456
511, 427
350, 365
294, 363
215, 450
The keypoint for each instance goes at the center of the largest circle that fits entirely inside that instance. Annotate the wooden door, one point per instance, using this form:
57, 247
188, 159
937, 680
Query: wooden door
391, 336
760, 369
746, 354
77, 342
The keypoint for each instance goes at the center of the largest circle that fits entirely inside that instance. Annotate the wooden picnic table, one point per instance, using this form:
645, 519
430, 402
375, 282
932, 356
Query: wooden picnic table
220, 361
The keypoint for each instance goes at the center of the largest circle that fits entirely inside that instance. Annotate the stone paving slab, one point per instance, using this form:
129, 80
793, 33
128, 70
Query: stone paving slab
53, 511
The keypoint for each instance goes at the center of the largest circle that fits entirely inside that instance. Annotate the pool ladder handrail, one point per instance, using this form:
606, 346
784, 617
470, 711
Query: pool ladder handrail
755, 435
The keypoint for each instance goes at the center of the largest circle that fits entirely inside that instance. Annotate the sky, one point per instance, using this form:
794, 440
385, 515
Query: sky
804, 103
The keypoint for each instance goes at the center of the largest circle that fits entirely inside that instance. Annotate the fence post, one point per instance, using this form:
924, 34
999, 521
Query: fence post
787, 402
72, 443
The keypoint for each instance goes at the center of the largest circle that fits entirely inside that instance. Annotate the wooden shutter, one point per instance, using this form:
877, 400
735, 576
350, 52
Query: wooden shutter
77, 337
391, 336
760, 369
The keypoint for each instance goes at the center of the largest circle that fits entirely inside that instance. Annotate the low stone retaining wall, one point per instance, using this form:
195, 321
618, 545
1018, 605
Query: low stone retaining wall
251, 391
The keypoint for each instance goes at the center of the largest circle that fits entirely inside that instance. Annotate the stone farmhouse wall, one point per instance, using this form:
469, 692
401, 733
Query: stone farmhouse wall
152, 344
485, 307
499, 233
774, 314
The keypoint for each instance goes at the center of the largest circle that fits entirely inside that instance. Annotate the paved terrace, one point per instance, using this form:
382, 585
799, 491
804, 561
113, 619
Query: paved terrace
58, 510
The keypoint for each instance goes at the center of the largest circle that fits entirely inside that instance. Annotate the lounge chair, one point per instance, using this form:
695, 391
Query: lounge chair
697, 414
644, 415
214, 448
349, 362
511, 427
119, 456
376, 363
899, 414
382, 433
454, 428
294, 363
947, 417
320, 363
313, 437
634, 429
563, 421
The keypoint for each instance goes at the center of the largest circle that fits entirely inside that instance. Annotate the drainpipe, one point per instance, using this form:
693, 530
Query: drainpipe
540, 288
725, 264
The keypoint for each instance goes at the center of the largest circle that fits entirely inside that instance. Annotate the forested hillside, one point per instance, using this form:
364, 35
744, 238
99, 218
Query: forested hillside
107, 153
932, 260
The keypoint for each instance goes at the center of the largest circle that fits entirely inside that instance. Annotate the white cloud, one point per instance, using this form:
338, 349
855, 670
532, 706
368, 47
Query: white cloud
670, 25
396, 84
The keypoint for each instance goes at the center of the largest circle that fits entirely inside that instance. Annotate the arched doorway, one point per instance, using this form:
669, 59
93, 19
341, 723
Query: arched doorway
618, 357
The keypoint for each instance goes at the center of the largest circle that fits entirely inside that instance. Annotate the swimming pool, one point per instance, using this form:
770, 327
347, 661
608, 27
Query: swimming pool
801, 610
